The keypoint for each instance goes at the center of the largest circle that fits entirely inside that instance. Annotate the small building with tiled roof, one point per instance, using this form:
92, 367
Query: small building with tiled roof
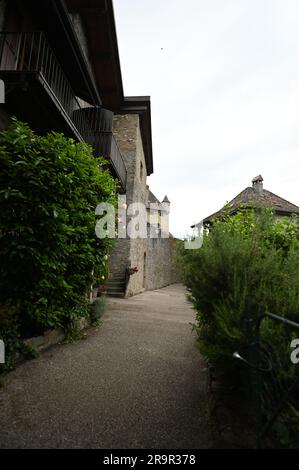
256, 196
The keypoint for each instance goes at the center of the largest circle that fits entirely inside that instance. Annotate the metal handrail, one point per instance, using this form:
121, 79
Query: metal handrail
260, 374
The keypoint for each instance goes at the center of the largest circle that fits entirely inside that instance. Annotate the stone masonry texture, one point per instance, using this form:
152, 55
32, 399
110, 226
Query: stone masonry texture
154, 258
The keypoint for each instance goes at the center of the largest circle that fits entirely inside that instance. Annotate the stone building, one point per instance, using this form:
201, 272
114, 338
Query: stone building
153, 253
161, 268
77, 89
256, 196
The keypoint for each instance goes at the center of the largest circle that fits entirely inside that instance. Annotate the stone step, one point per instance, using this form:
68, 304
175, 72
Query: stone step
116, 284
117, 276
115, 294
116, 288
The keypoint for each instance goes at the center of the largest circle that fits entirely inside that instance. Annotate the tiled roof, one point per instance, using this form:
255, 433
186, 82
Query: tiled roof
152, 198
252, 198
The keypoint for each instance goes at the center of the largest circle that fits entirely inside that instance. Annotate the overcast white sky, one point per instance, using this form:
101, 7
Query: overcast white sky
223, 76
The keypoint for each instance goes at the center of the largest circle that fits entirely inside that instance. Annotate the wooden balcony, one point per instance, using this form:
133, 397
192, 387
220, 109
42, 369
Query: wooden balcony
35, 82
38, 92
104, 144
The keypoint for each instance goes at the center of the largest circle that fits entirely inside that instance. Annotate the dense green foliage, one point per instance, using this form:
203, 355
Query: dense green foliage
251, 256
49, 254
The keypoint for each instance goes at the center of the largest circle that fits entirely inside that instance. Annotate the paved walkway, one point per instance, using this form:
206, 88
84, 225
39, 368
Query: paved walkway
137, 381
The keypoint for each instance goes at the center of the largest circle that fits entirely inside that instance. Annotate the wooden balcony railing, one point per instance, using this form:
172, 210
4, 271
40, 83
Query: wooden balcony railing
104, 144
31, 52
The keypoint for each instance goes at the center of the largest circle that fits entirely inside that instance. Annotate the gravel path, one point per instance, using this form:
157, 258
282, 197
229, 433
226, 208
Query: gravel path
137, 381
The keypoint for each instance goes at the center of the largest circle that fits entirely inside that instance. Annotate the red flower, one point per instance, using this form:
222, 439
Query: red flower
133, 270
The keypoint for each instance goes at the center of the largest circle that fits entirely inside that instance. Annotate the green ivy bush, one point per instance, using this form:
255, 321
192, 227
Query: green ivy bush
49, 254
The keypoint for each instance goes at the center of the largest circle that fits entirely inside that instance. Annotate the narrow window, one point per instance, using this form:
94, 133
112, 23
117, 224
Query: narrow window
141, 170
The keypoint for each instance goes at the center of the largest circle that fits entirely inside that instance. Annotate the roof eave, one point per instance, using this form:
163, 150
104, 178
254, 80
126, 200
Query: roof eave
99, 20
141, 105
53, 17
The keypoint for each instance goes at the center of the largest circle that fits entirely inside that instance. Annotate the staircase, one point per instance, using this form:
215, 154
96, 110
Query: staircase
116, 286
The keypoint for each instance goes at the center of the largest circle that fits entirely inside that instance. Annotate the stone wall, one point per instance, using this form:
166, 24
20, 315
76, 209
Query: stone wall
125, 133
138, 246
161, 269
130, 252
119, 258
154, 258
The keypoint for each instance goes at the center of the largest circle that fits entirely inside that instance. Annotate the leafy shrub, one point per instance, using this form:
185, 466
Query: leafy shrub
49, 254
251, 257
97, 309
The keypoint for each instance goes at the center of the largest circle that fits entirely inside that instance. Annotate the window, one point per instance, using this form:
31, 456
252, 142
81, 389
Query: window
141, 171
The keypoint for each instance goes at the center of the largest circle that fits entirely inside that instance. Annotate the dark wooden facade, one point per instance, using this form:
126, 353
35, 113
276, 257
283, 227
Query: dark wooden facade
52, 85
